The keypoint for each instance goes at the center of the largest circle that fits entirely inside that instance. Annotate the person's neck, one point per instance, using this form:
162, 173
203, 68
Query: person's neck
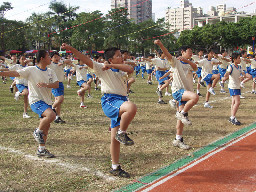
41, 66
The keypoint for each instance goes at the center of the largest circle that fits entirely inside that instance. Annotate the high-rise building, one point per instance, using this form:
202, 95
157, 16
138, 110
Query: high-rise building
139, 10
182, 18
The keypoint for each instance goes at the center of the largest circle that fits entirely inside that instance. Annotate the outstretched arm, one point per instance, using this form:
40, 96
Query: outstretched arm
79, 55
122, 67
9, 73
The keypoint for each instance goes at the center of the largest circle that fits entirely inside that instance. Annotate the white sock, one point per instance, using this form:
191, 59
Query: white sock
182, 112
178, 137
197, 91
232, 117
114, 166
57, 116
39, 131
120, 131
41, 148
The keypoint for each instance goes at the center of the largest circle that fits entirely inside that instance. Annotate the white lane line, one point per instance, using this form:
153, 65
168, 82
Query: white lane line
197, 162
54, 161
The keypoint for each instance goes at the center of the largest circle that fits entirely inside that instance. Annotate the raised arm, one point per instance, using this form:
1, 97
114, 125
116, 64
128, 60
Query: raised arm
162, 47
79, 55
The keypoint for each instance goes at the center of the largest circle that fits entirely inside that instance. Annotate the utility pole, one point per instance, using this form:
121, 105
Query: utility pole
2, 31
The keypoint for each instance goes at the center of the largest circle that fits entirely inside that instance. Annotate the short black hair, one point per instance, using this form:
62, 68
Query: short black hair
223, 51
55, 53
110, 52
234, 56
243, 52
124, 51
184, 48
40, 53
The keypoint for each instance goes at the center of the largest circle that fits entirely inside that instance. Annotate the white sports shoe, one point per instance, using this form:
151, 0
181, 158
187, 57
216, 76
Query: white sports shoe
167, 94
180, 144
172, 102
211, 90
184, 118
26, 116
68, 86
82, 105
17, 96
207, 105
242, 97
242, 85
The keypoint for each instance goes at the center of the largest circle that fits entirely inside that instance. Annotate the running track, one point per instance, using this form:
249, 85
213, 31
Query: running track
227, 165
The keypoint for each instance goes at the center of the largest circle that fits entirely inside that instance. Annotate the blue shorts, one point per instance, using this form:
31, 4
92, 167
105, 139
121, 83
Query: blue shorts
67, 71
234, 92
40, 107
198, 72
178, 96
88, 76
149, 71
215, 71
253, 73
207, 79
249, 70
111, 104
59, 91
80, 83
160, 74
143, 69
222, 72
21, 87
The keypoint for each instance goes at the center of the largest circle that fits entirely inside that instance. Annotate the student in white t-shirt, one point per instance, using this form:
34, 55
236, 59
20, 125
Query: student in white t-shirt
225, 61
233, 73
114, 102
40, 82
149, 68
244, 63
210, 79
253, 72
182, 90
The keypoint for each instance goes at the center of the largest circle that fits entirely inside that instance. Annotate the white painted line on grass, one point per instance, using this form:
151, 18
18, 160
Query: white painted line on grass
54, 161
197, 162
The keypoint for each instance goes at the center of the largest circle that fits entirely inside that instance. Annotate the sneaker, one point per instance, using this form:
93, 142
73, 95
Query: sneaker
150, 82
202, 83
172, 102
124, 139
130, 91
59, 120
253, 92
96, 88
68, 86
26, 116
183, 117
223, 91
89, 96
194, 81
242, 97
11, 89
161, 102
44, 153
234, 121
180, 144
83, 106
4, 82
167, 94
119, 172
159, 93
38, 137
17, 96
199, 94
207, 105
242, 85
211, 90
221, 84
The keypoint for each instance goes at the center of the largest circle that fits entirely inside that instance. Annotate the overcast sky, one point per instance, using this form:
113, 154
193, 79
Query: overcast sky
22, 9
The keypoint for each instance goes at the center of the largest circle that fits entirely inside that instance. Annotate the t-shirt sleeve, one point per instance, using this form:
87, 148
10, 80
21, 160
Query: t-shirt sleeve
54, 76
201, 63
24, 73
13, 68
97, 67
229, 69
173, 61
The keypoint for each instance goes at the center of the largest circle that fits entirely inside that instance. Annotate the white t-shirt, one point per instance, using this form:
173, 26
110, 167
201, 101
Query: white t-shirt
224, 64
111, 82
81, 74
234, 77
9, 62
35, 75
161, 63
19, 80
206, 67
243, 64
253, 63
59, 70
180, 78
215, 67
149, 65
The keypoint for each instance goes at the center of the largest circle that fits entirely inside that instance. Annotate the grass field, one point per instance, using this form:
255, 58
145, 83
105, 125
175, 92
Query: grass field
82, 144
